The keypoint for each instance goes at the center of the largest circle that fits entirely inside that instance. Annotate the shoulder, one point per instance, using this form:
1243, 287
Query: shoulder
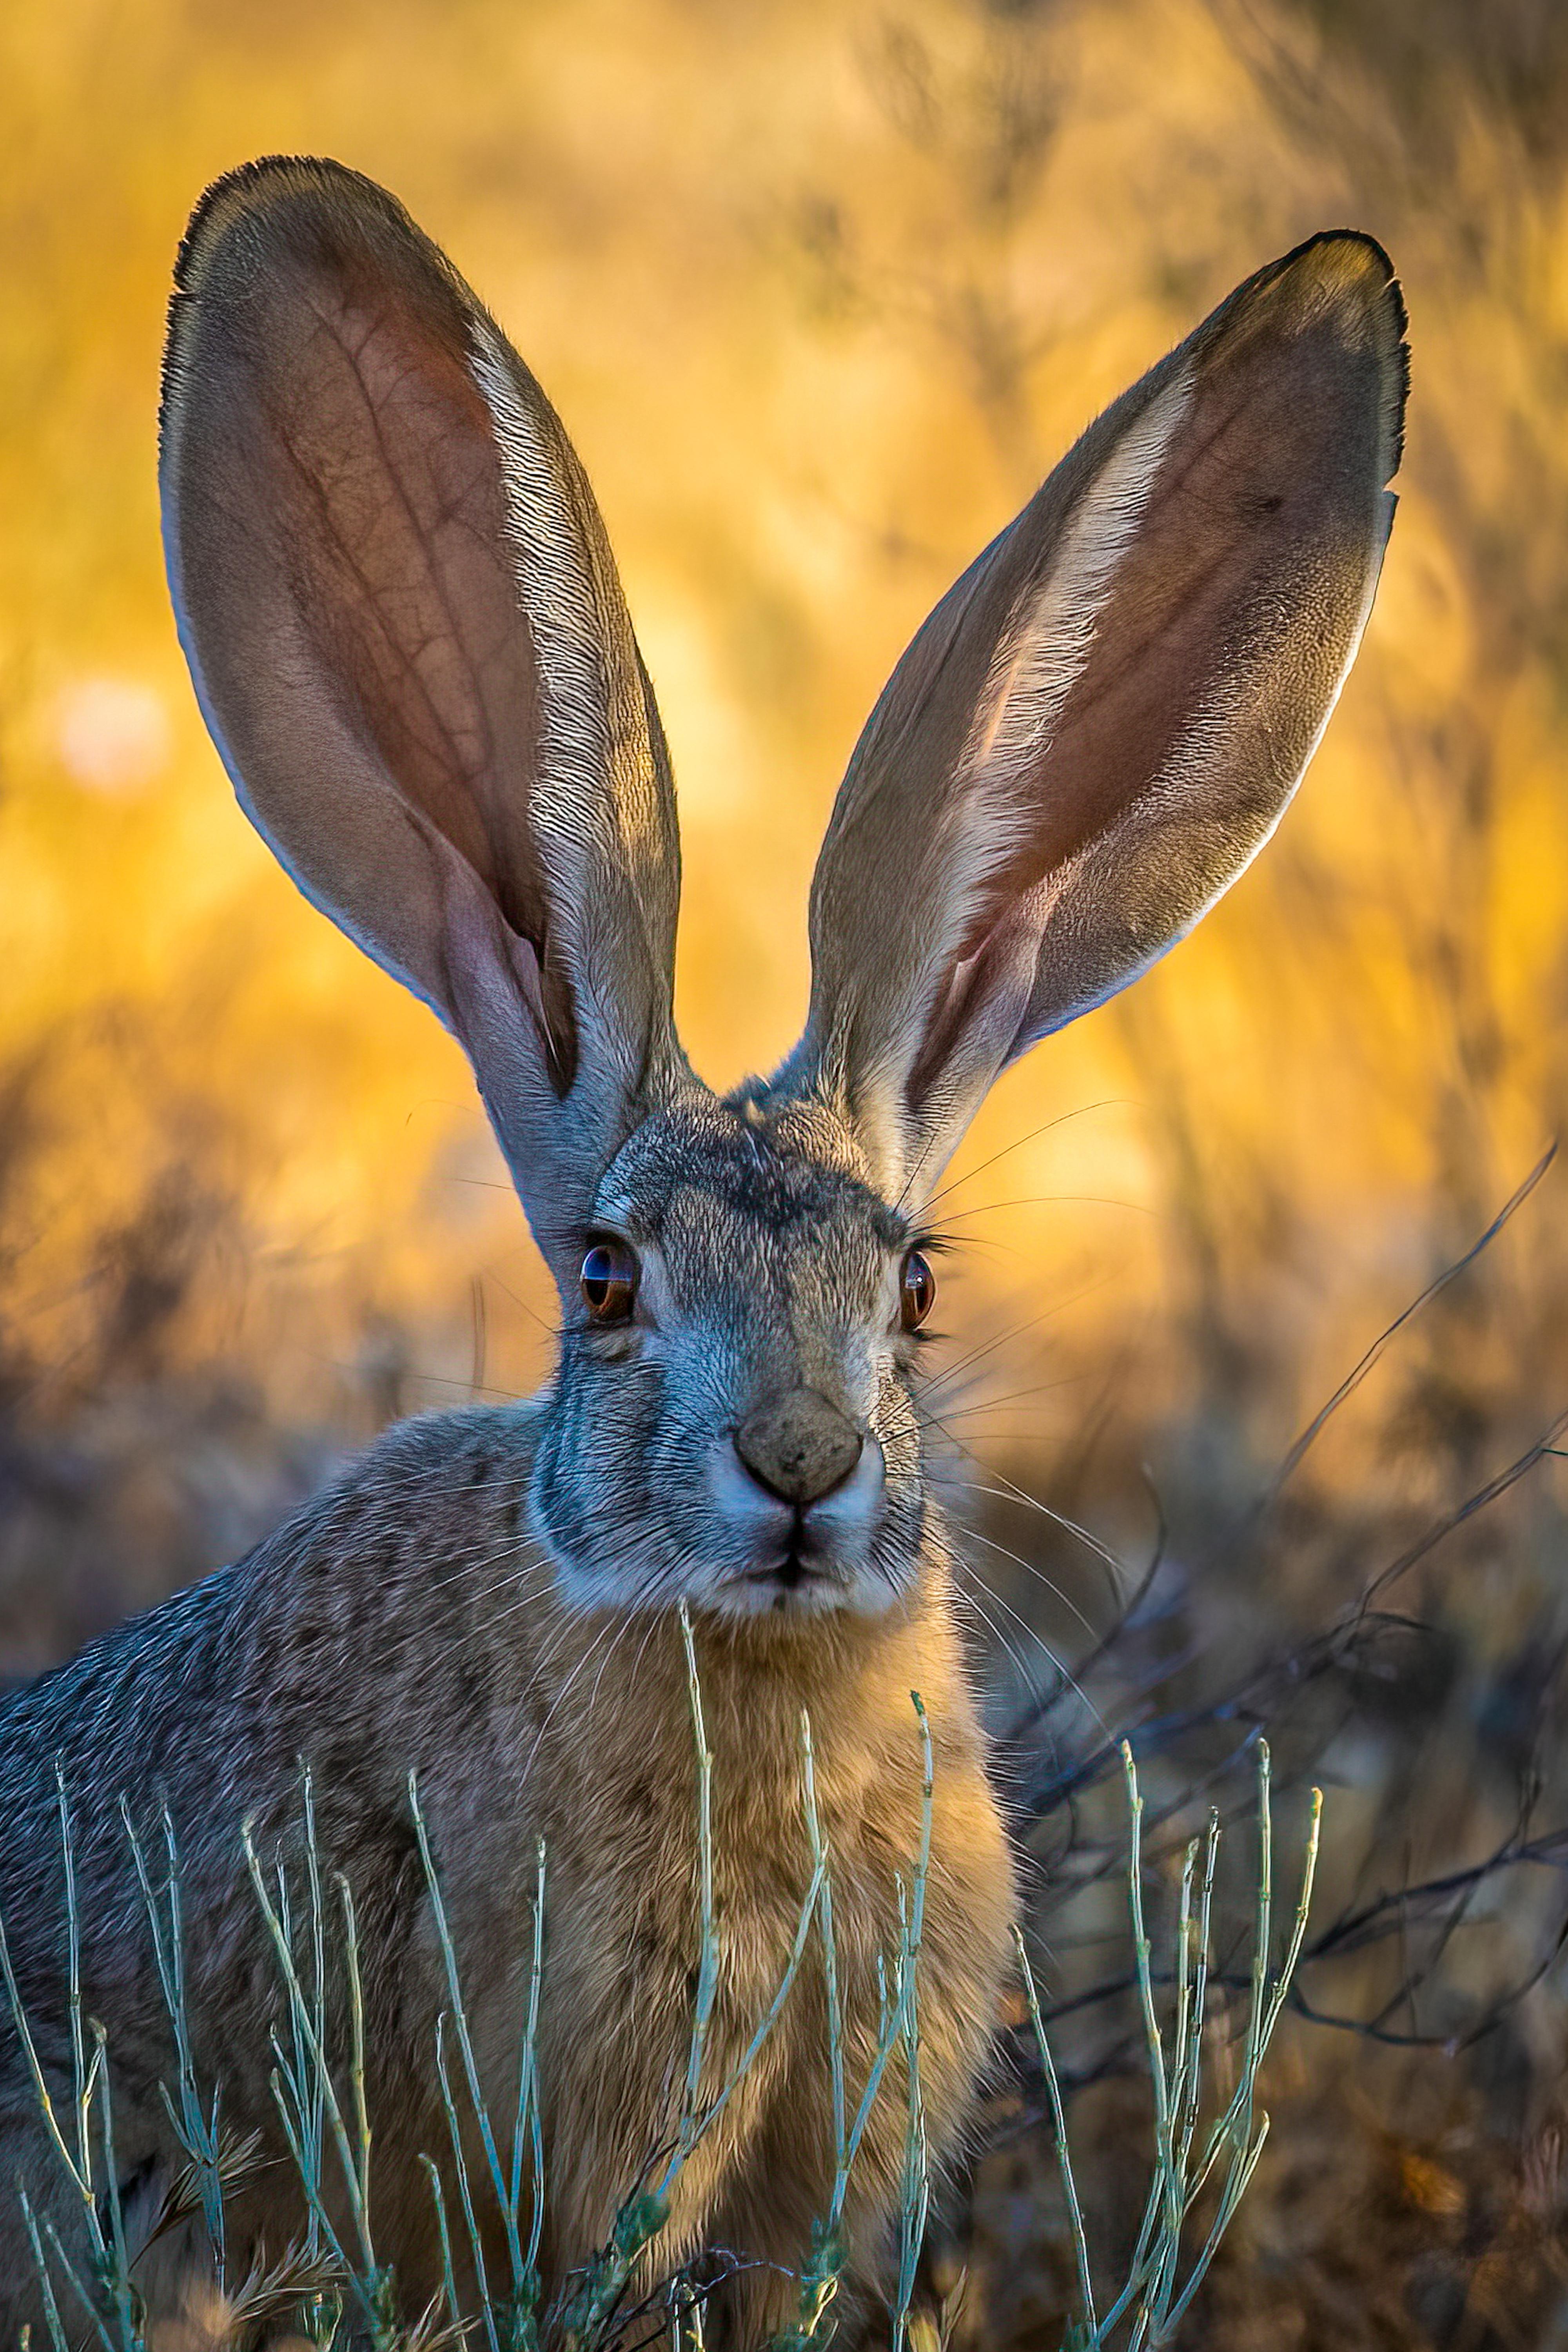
412, 1495
454, 1448
434, 1464
442, 1486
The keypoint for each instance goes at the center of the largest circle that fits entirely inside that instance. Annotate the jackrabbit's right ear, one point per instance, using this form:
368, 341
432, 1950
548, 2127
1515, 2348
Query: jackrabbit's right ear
1103, 721
409, 641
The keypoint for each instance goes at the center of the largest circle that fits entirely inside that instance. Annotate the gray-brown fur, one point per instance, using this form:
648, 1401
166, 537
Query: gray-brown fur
445, 1628
407, 632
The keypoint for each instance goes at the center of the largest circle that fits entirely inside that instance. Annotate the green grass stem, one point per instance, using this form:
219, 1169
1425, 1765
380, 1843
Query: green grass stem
466, 2048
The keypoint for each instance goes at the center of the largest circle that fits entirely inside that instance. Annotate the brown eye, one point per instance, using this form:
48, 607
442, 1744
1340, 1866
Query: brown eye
917, 1291
609, 1280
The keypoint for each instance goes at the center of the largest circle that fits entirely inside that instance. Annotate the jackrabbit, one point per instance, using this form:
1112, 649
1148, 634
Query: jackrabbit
410, 645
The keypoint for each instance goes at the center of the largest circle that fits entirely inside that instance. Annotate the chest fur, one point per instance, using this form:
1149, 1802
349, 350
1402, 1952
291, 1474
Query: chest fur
624, 1964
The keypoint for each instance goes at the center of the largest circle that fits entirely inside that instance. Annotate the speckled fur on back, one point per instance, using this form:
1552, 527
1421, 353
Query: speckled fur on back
408, 639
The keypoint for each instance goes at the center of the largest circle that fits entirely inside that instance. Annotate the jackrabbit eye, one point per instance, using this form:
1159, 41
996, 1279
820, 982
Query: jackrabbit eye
917, 1291
609, 1281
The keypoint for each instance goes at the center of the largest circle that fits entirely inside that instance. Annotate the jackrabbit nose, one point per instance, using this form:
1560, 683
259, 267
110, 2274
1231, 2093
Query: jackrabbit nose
798, 1446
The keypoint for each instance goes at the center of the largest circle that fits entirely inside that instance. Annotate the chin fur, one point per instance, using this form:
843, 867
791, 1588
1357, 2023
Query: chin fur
653, 1582
811, 1596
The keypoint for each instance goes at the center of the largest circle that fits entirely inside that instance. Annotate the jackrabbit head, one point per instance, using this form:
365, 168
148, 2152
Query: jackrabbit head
409, 641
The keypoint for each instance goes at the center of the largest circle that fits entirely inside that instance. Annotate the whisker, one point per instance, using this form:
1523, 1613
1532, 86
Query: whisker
1108, 1102
564, 1692
1013, 1396
1053, 1200
972, 1602
989, 1346
550, 1330
605, 1664
1065, 1677
1032, 1568
1008, 1493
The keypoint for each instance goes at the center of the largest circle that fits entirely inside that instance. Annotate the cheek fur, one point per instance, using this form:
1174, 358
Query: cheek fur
623, 1496
590, 1485
621, 1492
897, 1426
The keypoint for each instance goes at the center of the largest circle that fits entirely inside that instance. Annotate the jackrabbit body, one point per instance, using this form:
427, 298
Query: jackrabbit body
411, 647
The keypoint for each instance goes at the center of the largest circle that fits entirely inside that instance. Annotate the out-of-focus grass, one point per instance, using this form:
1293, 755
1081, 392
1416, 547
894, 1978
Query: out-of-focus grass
820, 291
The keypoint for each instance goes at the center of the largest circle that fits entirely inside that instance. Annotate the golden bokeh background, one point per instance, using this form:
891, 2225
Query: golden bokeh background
821, 288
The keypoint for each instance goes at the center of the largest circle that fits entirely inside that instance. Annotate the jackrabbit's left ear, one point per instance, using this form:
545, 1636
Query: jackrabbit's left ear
1101, 723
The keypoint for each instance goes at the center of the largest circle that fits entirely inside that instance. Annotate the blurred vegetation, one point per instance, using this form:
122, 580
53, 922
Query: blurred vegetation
820, 291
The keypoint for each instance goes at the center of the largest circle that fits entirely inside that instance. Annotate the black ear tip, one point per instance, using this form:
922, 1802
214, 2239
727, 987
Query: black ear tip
1340, 281
271, 185
1358, 275
1340, 278
1354, 247
1355, 274
244, 194
248, 189
306, 206
1346, 271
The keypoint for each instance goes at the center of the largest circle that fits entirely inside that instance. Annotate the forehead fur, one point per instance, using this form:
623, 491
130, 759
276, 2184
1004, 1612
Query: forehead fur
776, 1164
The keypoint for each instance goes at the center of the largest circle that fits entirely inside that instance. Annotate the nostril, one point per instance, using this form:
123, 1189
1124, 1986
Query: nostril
799, 1447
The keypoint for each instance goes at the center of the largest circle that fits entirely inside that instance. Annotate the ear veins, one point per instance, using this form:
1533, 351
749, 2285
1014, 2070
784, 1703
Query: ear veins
373, 340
